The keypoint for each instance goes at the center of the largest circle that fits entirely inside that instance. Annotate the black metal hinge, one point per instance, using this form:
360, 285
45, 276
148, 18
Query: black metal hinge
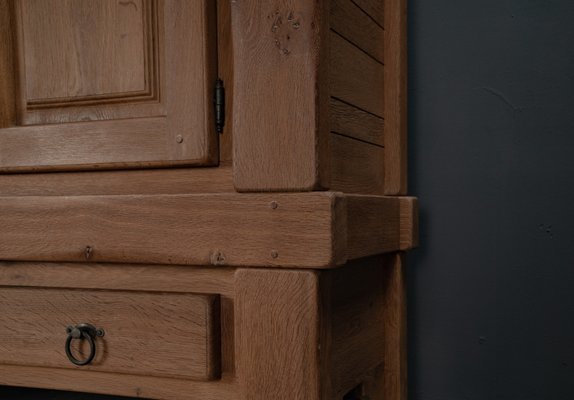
219, 102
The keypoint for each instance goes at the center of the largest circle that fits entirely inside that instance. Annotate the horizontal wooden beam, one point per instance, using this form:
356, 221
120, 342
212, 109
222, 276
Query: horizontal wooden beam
143, 181
302, 230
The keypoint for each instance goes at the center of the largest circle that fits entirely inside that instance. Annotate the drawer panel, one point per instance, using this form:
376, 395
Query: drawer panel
146, 333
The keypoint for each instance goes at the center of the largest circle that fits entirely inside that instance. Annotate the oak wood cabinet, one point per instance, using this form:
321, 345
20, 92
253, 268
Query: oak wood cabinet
164, 238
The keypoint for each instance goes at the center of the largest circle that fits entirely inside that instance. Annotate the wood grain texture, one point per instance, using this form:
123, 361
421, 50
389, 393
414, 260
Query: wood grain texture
219, 229
135, 278
86, 48
372, 386
355, 25
280, 110
375, 8
380, 224
7, 81
395, 97
355, 323
118, 384
409, 234
114, 277
351, 121
308, 230
277, 326
148, 181
356, 78
395, 322
225, 59
173, 335
357, 167
373, 225
85, 117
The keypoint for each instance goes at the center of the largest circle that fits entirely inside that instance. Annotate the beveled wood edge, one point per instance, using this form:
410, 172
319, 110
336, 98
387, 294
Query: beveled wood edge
352, 226
125, 182
118, 384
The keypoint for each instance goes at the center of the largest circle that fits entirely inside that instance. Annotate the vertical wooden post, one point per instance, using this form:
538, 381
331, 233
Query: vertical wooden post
280, 115
394, 384
7, 87
277, 334
395, 97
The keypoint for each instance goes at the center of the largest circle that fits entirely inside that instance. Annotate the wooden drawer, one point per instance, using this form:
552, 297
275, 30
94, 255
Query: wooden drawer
146, 333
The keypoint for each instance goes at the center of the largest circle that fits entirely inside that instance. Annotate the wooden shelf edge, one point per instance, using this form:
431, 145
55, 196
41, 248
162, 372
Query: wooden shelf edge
314, 230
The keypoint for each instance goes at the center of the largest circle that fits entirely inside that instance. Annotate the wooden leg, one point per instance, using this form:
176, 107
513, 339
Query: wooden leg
277, 334
394, 376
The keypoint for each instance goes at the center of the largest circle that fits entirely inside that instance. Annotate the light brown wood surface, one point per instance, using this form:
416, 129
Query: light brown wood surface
220, 229
280, 109
135, 278
278, 309
173, 335
148, 181
307, 230
88, 97
395, 97
286, 334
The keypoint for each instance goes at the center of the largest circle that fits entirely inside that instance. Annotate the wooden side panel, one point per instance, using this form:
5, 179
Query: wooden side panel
277, 328
173, 335
353, 122
356, 78
375, 9
358, 167
280, 110
395, 326
358, 27
395, 97
357, 108
83, 49
355, 322
223, 229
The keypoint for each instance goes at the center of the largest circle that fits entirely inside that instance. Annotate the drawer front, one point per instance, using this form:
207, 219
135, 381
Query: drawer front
146, 333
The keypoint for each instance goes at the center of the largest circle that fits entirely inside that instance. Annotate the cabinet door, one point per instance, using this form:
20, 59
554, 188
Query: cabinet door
88, 84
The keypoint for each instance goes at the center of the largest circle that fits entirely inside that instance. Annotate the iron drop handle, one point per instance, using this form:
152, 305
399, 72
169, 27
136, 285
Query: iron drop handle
82, 332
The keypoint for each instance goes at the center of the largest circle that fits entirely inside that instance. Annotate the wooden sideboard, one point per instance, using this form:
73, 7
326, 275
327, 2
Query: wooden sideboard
204, 199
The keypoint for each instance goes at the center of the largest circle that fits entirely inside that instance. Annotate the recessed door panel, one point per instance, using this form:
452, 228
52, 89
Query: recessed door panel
107, 84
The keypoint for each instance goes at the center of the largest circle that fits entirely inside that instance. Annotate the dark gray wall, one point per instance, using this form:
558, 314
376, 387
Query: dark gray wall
491, 308
491, 290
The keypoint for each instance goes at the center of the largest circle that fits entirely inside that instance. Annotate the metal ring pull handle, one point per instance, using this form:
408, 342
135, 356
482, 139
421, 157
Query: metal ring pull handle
81, 332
